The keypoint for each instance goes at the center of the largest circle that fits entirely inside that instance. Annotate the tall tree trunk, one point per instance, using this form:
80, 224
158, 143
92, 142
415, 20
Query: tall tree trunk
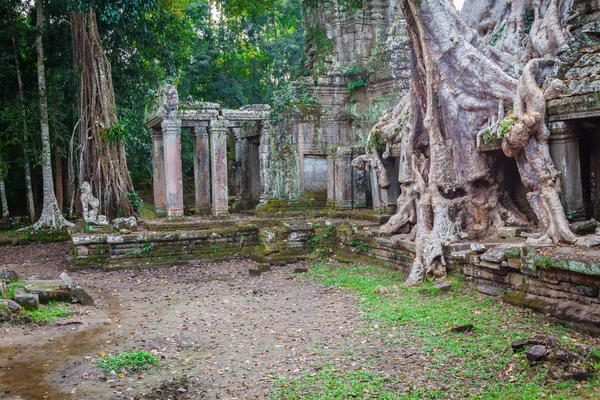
5, 213
28, 185
102, 151
51, 215
58, 176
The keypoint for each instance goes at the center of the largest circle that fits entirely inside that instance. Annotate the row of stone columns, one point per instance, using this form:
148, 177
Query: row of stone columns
210, 168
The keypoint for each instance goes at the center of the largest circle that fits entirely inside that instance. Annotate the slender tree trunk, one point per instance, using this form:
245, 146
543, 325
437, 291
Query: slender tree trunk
51, 215
28, 185
5, 213
102, 151
58, 176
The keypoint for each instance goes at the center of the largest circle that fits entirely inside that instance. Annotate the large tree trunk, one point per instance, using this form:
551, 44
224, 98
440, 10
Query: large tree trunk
5, 213
51, 215
28, 185
460, 88
102, 152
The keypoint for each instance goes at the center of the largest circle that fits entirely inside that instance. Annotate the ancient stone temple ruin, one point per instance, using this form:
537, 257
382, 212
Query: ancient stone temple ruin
294, 192
209, 126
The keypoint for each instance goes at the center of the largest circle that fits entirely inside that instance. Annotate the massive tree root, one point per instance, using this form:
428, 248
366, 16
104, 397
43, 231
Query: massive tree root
527, 141
459, 84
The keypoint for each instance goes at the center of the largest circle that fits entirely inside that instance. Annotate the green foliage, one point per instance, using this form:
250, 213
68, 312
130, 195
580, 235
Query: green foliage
352, 85
115, 134
488, 137
147, 248
48, 313
496, 36
360, 246
136, 200
375, 142
529, 17
354, 70
11, 287
545, 262
131, 362
505, 125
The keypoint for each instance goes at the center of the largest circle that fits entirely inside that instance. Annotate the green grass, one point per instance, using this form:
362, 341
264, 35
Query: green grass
129, 361
11, 287
147, 210
474, 365
48, 313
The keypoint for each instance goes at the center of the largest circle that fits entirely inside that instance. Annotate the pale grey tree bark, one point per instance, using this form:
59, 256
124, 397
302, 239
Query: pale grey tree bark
51, 217
468, 70
5, 213
26, 162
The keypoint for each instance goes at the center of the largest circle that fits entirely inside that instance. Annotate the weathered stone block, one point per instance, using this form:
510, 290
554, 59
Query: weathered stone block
79, 294
510, 231
495, 255
584, 227
7, 275
125, 223
48, 290
589, 291
26, 300
10, 305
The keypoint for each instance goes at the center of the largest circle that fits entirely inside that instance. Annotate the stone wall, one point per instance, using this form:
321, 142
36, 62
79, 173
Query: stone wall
562, 282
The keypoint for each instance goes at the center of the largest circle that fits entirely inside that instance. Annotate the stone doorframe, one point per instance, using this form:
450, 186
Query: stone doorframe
209, 124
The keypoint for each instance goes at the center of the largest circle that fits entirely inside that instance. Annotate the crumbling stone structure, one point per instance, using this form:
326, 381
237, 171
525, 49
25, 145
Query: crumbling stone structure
359, 66
209, 124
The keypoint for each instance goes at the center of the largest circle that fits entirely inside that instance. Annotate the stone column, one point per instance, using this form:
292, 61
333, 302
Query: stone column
330, 178
343, 177
201, 168
359, 182
173, 175
218, 146
564, 150
375, 191
158, 172
237, 133
263, 156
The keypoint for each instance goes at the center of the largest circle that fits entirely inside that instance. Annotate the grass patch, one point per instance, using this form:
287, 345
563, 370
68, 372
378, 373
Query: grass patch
9, 293
127, 361
478, 364
48, 313
147, 210
331, 383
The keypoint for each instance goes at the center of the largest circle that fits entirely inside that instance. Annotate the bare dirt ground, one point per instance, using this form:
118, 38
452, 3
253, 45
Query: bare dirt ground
218, 333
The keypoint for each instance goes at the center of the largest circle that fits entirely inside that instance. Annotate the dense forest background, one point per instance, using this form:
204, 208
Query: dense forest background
233, 52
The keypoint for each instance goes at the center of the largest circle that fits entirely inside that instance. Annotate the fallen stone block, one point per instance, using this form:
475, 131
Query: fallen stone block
78, 293
26, 300
495, 255
463, 328
537, 353
520, 344
510, 231
584, 227
48, 290
300, 270
441, 287
7, 275
125, 223
10, 305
